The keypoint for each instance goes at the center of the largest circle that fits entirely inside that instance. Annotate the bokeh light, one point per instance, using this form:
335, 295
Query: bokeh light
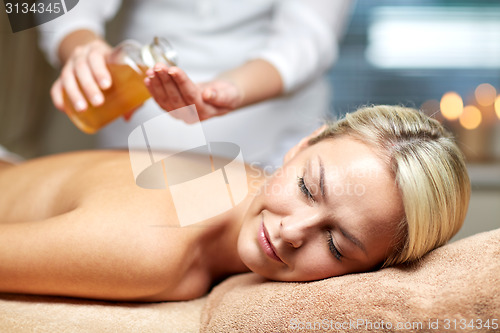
451, 105
497, 106
485, 94
471, 117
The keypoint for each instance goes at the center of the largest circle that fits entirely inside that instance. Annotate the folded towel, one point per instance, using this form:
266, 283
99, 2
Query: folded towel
44, 314
454, 288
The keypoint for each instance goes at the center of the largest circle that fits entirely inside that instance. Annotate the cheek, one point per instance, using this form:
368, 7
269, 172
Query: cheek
314, 271
279, 194
247, 244
244, 243
315, 263
251, 255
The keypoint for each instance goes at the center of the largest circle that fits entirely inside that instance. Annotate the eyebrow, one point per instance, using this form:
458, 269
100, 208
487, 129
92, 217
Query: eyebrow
353, 239
346, 234
321, 177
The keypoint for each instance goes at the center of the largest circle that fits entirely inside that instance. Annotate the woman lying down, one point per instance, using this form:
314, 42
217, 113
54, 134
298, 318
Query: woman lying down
78, 225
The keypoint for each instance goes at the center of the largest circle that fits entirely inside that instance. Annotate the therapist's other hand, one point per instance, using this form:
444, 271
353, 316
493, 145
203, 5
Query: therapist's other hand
85, 68
172, 89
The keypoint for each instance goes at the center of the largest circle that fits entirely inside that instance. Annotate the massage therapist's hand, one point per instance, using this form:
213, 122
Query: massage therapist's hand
172, 89
85, 67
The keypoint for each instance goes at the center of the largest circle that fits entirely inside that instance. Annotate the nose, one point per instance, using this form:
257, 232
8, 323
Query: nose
295, 230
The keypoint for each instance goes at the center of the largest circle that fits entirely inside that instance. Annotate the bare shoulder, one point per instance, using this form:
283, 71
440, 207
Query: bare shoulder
88, 202
195, 282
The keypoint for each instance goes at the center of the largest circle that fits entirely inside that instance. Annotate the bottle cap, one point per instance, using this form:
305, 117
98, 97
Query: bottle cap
159, 51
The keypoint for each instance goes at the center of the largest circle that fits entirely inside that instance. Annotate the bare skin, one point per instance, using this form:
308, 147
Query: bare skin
77, 225
84, 54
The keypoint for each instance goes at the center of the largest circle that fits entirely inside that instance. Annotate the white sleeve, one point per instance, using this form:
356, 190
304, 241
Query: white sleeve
304, 38
87, 14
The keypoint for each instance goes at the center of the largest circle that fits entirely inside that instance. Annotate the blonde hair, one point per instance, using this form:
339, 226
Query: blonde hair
429, 170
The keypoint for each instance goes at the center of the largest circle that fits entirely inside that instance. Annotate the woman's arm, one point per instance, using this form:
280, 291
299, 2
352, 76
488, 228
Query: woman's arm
88, 15
302, 44
257, 80
74, 41
254, 81
93, 254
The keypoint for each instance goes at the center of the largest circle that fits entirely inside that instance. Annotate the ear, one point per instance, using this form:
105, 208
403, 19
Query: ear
304, 143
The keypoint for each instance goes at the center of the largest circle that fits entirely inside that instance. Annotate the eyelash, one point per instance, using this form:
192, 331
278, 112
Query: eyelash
303, 188
333, 248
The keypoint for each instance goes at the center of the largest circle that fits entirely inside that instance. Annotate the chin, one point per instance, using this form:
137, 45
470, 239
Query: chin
248, 252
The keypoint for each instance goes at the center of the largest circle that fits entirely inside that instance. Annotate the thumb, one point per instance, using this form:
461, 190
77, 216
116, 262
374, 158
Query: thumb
209, 95
222, 96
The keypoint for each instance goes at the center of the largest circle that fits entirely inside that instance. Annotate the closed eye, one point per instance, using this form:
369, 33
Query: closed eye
303, 188
333, 248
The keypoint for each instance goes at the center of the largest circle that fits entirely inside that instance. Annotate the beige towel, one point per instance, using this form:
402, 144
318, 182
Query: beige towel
19, 314
457, 282
455, 288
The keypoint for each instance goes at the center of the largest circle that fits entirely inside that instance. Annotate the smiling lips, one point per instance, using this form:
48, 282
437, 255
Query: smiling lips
265, 243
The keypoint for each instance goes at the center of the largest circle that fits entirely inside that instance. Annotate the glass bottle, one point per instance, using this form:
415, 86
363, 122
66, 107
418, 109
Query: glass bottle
127, 65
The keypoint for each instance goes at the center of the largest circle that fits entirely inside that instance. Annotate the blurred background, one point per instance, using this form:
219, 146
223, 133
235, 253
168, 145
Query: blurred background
442, 56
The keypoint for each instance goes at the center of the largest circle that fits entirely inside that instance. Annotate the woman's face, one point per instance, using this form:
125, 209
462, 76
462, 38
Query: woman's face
330, 210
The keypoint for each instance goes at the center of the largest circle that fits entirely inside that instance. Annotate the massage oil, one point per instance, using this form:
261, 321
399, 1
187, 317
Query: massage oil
127, 65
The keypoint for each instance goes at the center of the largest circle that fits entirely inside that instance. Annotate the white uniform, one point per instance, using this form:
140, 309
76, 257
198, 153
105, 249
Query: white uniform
299, 37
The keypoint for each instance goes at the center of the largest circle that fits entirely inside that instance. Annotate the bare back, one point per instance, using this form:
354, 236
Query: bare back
82, 215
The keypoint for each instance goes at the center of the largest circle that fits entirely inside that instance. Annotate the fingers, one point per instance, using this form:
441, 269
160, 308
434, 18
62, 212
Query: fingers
209, 95
99, 69
188, 90
70, 86
87, 81
83, 76
222, 94
219, 98
57, 95
171, 88
174, 97
211, 99
163, 88
155, 87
